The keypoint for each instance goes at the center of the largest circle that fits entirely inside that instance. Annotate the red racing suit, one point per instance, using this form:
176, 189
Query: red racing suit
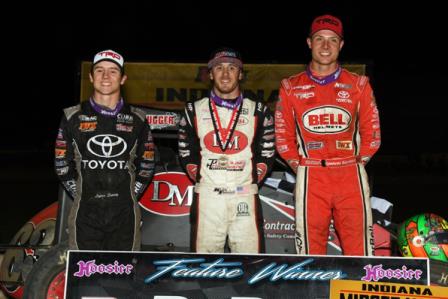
327, 131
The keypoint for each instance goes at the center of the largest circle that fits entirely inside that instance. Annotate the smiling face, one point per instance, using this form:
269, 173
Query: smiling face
226, 80
106, 78
325, 46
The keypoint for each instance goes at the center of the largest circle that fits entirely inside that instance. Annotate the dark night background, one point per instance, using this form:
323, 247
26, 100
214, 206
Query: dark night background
404, 45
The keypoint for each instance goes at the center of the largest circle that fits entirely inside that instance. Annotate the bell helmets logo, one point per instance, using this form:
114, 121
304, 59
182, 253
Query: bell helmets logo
327, 120
106, 146
170, 194
237, 143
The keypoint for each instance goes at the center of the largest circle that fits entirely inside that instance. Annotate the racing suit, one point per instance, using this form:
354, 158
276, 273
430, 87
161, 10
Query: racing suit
226, 166
327, 129
105, 160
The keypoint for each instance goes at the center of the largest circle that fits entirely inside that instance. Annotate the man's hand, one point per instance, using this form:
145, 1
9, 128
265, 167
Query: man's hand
262, 169
192, 171
294, 164
363, 159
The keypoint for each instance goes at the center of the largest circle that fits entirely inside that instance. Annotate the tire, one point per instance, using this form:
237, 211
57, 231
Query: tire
47, 278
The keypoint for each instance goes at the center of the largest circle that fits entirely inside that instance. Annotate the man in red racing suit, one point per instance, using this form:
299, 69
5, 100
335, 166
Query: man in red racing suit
327, 128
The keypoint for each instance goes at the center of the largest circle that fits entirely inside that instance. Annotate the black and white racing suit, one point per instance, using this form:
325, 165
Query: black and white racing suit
105, 160
226, 172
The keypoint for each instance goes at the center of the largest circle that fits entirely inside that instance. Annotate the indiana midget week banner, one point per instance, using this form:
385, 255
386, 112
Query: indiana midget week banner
170, 85
186, 275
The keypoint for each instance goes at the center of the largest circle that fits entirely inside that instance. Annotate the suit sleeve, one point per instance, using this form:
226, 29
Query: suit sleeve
369, 122
144, 161
188, 142
285, 130
264, 141
64, 163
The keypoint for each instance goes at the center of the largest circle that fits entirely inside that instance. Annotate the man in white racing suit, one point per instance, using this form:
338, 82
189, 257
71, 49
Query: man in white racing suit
227, 146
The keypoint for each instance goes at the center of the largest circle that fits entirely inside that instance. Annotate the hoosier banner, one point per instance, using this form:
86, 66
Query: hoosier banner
187, 275
169, 85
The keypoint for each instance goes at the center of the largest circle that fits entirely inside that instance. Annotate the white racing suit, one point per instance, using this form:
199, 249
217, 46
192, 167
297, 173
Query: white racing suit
226, 202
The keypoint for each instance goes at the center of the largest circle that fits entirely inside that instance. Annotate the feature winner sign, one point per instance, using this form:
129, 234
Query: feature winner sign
348, 289
187, 275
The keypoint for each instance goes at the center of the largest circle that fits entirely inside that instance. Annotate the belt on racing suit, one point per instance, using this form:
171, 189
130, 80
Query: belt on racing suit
238, 190
336, 162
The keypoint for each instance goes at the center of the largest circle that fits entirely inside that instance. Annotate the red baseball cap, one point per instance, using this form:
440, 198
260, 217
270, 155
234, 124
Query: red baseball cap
327, 22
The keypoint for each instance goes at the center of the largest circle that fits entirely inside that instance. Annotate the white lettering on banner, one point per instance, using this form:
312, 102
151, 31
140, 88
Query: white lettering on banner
295, 272
216, 269
219, 269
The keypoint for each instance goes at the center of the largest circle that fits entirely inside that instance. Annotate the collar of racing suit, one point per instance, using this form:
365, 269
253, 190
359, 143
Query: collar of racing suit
104, 110
227, 103
326, 79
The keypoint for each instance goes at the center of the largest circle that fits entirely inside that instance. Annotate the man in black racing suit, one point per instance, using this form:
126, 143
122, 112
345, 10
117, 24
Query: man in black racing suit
104, 156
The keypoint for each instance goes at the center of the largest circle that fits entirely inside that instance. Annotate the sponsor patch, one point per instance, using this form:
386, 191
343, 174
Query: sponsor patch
125, 118
148, 155
87, 126
242, 209
124, 128
314, 145
342, 85
344, 144
304, 95
326, 120
60, 153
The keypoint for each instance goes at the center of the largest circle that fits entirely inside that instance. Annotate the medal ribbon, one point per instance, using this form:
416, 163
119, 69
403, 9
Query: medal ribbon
224, 135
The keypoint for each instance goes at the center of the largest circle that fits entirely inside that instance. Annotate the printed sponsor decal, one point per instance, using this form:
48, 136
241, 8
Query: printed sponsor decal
314, 145
87, 118
124, 128
61, 143
304, 95
237, 144
303, 87
59, 153
125, 118
148, 155
242, 121
170, 194
326, 120
106, 145
342, 85
90, 267
344, 144
160, 121
87, 126
228, 165
377, 272
343, 94
242, 209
